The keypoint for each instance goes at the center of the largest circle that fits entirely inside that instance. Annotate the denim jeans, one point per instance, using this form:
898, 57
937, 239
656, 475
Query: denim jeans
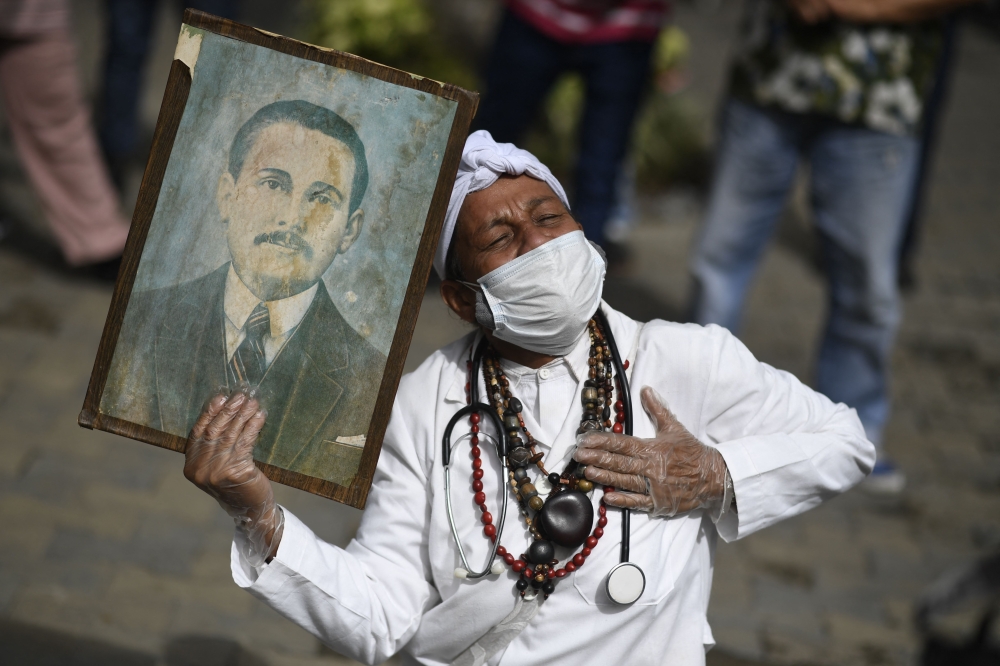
523, 67
130, 25
861, 184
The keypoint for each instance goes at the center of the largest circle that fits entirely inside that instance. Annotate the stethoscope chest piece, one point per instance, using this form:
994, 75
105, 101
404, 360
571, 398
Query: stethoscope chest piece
625, 583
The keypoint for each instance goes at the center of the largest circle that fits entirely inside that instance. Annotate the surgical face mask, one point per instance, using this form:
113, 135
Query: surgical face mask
543, 300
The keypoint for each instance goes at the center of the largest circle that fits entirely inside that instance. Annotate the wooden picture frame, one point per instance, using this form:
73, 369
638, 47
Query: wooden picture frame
155, 318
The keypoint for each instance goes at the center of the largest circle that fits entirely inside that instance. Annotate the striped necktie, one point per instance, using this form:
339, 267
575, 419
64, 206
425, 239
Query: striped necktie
248, 363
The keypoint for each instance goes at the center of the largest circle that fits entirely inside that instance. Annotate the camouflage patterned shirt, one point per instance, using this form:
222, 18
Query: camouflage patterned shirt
877, 75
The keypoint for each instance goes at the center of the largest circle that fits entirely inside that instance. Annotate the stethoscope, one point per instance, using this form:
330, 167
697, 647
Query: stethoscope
626, 581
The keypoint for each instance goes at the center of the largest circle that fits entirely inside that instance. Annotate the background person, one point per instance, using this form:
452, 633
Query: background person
840, 84
610, 44
50, 125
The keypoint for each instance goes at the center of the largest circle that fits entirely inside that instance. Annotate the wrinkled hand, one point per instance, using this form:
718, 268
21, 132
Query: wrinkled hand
219, 460
669, 474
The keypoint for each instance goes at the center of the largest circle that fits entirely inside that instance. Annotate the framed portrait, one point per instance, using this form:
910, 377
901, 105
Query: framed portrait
282, 238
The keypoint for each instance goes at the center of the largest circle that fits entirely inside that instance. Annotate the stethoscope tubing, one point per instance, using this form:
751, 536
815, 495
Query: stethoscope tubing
501, 445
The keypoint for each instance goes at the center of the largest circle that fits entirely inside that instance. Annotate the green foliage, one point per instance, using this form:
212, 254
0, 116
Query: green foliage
668, 145
398, 33
389, 29
553, 136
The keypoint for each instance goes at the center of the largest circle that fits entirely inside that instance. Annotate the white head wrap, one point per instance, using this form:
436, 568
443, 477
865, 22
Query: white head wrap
483, 162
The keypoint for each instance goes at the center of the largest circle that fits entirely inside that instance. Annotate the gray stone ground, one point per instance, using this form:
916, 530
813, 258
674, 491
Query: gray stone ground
108, 556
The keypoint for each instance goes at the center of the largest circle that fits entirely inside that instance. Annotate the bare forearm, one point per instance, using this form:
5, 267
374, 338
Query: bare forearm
893, 11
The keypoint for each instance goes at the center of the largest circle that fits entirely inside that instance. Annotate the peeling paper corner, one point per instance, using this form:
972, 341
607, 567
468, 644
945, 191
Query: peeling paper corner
189, 46
417, 77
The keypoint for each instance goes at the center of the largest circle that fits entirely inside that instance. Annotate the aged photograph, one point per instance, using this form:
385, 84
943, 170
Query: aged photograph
280, 251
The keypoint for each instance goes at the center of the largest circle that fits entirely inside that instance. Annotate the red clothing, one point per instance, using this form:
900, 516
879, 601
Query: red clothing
594, 21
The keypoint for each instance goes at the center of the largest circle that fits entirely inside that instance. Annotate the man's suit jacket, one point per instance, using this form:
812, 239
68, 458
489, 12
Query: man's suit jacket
171, 357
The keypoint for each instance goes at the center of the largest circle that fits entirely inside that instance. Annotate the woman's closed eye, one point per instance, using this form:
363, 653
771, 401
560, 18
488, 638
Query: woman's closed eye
549, 219
499, 241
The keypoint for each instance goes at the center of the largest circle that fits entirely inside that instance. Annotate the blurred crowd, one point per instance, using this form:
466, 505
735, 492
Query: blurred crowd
849, 89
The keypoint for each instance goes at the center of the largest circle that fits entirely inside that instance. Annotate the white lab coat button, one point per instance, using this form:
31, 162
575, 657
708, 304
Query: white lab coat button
544, 373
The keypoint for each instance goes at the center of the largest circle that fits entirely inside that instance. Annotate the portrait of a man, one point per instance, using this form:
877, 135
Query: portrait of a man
290, 200
279, 238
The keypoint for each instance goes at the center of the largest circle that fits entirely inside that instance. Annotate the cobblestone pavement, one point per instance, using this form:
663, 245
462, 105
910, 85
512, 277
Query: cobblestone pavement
108, 556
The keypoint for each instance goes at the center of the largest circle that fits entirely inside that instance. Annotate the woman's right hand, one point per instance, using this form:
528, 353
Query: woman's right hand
219, 460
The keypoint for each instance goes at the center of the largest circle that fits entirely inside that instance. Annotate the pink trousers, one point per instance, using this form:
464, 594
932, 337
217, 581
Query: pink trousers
54, 137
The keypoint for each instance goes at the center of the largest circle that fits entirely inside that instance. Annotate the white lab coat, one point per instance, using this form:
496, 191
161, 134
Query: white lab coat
393, 588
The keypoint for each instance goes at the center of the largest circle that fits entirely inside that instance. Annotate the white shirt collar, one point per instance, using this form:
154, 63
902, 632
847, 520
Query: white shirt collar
285, 314
574, 362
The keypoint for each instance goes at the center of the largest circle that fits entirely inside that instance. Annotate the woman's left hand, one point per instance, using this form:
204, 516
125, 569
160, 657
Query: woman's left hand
668, 474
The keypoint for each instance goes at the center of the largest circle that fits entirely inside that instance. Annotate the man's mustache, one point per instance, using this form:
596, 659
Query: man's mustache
289, 239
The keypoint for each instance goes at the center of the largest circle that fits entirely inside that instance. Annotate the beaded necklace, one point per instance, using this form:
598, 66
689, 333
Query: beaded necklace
565, 516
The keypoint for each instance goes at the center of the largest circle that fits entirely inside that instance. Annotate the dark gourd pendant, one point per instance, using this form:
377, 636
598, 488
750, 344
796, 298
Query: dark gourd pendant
566, 518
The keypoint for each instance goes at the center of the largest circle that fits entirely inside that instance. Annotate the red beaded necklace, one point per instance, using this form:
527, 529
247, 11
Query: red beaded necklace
565, 516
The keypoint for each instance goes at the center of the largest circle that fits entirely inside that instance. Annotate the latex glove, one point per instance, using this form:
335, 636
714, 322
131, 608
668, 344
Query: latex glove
669, 474
219, 460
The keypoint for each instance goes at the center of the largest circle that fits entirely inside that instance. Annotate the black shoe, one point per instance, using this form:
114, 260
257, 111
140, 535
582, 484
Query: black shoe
103, 271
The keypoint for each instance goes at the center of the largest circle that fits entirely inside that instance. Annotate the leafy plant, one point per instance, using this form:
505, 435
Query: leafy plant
668, 145
398, 33
553, 135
